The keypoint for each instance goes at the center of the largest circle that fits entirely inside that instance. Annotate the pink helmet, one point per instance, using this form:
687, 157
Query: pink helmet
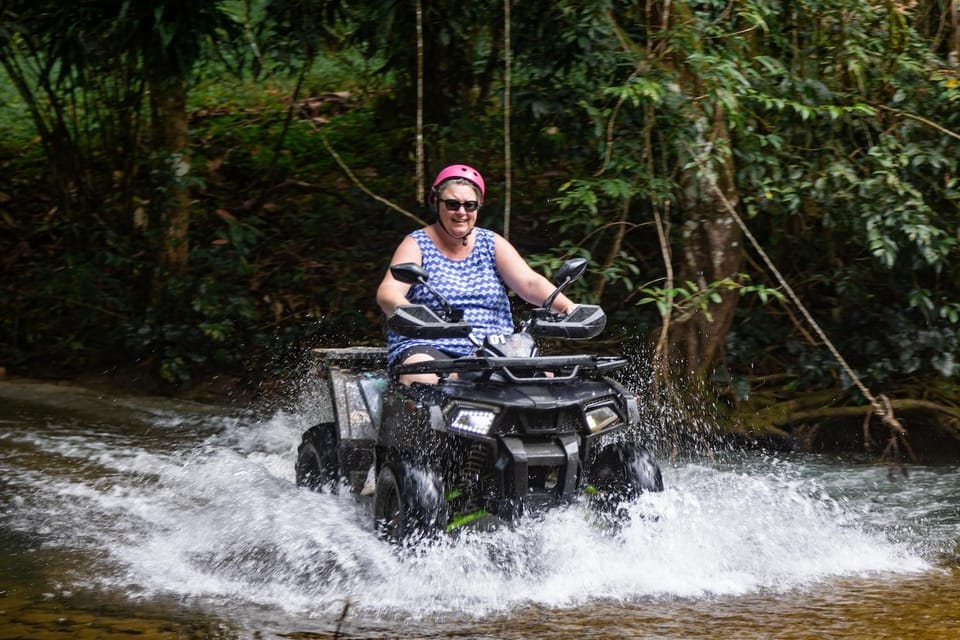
457, 171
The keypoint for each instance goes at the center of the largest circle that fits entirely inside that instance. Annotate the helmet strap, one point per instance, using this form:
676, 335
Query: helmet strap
462, 238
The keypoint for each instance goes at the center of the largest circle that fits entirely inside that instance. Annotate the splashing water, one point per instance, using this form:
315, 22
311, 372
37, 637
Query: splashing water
201, 505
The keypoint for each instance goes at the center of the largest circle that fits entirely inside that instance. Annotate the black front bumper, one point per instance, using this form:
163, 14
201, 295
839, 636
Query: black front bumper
533, 474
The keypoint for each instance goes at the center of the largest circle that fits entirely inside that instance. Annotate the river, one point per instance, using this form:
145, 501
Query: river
130, 516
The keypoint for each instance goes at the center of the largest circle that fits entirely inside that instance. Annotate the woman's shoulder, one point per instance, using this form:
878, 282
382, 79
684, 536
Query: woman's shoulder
407, 251
499, 242
488, 239
421, 237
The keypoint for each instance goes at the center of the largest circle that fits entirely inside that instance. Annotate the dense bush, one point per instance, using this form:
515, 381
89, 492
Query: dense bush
841, 147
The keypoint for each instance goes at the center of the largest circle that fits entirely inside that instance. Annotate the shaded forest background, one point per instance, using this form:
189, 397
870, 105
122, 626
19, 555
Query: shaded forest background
206, 190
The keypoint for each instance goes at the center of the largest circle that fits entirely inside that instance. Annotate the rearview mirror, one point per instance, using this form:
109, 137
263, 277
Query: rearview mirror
571, 270
409, 273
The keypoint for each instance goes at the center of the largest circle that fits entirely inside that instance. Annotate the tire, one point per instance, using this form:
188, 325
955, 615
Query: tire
318, 458
408, 504
643, 471
390, 510
623, 471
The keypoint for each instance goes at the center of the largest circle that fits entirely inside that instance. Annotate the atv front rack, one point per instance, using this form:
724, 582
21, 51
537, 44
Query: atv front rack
540, 369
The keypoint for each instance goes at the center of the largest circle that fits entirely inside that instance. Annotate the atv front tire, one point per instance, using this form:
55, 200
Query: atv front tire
409, 503
623, 471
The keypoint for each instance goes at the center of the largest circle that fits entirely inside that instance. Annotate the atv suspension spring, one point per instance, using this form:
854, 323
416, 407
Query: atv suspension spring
474, 461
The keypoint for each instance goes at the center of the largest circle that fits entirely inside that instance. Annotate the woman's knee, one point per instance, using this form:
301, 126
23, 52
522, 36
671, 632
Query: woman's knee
423, 378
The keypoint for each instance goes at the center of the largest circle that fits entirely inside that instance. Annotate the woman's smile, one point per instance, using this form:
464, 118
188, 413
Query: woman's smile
460, 221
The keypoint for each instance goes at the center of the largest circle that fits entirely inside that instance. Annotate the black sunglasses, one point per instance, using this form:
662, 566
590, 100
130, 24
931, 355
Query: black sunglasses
468, 206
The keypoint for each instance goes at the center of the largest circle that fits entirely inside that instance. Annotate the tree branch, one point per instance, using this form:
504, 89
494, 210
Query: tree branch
363, 187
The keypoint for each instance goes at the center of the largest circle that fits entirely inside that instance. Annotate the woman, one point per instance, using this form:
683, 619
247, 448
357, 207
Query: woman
469, 265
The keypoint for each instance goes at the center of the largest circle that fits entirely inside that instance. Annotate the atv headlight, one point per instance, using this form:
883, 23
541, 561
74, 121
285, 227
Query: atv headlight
472, 420
600, 417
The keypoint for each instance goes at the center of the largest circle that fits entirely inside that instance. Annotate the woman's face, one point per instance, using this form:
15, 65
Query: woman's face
460, 222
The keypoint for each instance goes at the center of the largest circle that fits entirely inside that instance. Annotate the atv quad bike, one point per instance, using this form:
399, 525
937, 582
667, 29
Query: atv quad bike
504, 433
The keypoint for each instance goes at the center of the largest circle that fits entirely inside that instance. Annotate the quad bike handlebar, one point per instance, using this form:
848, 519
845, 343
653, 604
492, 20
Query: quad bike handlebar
420, 321
510, 357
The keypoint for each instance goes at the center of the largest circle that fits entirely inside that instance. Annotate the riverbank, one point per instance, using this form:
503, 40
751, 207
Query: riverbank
216, 390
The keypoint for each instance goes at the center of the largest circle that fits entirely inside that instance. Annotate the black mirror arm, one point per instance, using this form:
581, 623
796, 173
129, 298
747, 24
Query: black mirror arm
452, 315
548, 303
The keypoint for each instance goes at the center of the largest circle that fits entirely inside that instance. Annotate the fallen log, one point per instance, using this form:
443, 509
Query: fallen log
904, 405
803, 419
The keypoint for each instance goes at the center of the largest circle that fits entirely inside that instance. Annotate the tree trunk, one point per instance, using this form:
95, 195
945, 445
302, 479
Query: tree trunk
711, 238
954, 54
712, 243
171, 200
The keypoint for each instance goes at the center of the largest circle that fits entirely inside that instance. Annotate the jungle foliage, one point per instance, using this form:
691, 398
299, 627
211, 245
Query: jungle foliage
831, 128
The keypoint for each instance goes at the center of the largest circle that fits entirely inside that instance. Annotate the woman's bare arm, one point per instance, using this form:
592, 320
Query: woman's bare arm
522, 279
392, 293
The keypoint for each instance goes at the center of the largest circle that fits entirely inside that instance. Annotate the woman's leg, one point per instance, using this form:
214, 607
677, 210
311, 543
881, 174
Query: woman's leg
421, 353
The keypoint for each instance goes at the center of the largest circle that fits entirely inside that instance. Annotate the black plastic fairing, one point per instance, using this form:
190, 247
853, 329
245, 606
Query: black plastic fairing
420, 321
585, 321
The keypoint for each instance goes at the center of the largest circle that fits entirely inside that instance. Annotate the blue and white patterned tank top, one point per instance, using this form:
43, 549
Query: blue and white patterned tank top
471, 284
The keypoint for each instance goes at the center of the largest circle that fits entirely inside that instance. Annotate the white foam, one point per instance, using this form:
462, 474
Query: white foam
221, 518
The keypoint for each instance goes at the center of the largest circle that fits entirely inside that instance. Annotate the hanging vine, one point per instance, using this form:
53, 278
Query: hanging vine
420, 168
507, 160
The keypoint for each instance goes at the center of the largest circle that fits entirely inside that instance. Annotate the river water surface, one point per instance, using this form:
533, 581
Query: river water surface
125, 516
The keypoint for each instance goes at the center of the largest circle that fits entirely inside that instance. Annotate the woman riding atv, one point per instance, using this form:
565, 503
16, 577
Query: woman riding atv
495, 430
468, 265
